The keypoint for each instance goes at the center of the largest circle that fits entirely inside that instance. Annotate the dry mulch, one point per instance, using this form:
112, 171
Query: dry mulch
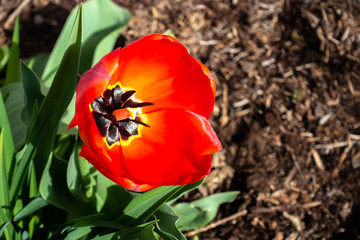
287, 109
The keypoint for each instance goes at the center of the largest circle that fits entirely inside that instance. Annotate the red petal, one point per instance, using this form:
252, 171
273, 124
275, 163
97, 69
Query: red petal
90, 135
104, 158
110, 171
94, 82
162, 71
208, 74
176, 149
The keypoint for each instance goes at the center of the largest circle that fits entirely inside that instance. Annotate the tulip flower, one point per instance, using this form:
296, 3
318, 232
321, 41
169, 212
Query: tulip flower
142, 113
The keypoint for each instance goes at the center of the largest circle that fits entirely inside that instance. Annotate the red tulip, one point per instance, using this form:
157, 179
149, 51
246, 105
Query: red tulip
142, 114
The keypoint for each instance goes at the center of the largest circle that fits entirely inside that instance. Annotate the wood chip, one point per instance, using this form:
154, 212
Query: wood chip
295, 220
318, 162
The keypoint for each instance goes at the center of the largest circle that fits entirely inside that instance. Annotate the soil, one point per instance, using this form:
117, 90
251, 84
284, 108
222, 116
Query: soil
287, 109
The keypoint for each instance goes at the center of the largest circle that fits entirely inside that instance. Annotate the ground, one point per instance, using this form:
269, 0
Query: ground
287, 107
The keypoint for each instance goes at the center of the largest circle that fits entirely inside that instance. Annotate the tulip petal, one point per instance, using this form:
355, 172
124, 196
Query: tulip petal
208, 74
176, 149
110, 171
94, 82
162, 72
106, 159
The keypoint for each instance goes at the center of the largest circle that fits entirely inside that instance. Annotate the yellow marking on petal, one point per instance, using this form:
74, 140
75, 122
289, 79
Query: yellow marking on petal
131, 138
113, 145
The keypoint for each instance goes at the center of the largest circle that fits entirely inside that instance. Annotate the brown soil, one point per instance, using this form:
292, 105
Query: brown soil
287, 109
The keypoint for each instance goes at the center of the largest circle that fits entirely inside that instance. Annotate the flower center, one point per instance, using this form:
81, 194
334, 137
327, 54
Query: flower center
112, 117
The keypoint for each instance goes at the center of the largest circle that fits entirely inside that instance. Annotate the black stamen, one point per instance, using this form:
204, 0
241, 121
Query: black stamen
127, 95
103, 108
143, 104
116, 96
138, 121
112, 135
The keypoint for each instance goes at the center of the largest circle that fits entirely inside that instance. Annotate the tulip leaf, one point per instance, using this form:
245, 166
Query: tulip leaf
79, 233
32, 89
37, 63
53, 189
139, 209
95, 228
166, 226
32, 183
3, 227
108, 193
41, 139
4, 187
14, 105
4, 56
29, 209
8, 147
169, 32
34, 225
78, 177
201, 212
185, 189
13, 67
142, 231
6, 228
103, 22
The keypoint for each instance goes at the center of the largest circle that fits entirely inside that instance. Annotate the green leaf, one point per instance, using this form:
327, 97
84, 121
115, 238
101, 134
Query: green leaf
108, 193
169, 32
29, 209
41, 139
78, 233
6, 226
34, 225
66, 119
8, 140
13, 68
186, 188
139, 209
166, 226
78, 177
3, 227
201, 212
32, 88
37, 64
53, 189
14, 105
32, 183
141, 232
103, 22
4, 56
98, 223
4, 187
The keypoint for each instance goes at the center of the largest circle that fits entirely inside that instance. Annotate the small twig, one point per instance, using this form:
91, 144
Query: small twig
224, 114
215, 224
319, 164
343, 157
354, 137
331, 146
296, 163
15, 13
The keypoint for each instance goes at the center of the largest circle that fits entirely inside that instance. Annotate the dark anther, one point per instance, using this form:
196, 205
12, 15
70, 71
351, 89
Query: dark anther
103, 108
126, 96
